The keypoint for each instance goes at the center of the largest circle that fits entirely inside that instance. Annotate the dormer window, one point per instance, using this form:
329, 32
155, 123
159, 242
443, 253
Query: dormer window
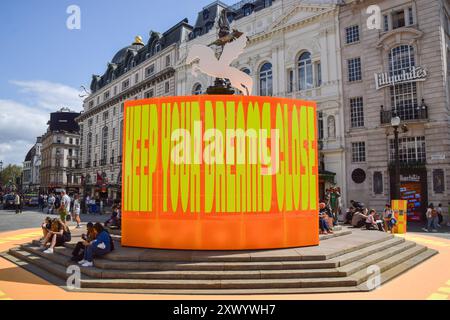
205, 14
248, 10
209, 26
157, 47
197, 32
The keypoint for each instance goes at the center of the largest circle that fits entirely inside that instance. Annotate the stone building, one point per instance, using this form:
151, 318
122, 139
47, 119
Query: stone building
399, 69
137, 71
293, 52
60, 153
31, 167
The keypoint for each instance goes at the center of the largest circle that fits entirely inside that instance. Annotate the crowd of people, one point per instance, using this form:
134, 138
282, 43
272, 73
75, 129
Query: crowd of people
96, 242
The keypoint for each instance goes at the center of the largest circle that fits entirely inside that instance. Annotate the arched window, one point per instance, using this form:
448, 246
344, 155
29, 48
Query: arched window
305, 71
331, 127
104, 143
197, 90
265, 80
404, 95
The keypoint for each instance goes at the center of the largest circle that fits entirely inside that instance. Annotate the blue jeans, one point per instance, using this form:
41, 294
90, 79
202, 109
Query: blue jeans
431, 225
90, 252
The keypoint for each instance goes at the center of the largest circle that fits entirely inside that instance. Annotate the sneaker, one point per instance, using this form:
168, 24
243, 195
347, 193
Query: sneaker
81, 262
426, 230
87, 264
48, 251
435, 231
78, 227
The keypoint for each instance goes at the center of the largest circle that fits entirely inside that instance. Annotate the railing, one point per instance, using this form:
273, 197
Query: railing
406, 114
418, 163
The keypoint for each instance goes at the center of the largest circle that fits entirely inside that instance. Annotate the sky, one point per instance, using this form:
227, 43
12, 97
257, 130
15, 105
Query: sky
43, 63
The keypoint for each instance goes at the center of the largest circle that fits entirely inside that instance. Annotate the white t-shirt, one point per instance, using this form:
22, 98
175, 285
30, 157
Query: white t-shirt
66, 201
76, 206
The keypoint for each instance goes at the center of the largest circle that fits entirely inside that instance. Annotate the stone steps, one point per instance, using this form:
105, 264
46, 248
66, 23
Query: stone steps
339, 265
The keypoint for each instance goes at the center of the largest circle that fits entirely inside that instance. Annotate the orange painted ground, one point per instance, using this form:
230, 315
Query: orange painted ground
430, 280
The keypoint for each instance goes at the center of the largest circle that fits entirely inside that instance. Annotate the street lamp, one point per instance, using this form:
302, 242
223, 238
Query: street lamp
395, 123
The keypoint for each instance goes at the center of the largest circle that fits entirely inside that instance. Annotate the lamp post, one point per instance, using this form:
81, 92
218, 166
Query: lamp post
395, 122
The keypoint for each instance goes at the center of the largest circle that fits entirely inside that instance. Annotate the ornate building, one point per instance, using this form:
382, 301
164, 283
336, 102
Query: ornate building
294, 52
31, 167
60, 153
137, 71
400, 69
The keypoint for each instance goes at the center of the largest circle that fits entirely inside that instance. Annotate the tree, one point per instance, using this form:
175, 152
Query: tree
11, 176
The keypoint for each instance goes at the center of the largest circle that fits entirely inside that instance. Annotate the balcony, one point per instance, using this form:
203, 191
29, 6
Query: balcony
406, 114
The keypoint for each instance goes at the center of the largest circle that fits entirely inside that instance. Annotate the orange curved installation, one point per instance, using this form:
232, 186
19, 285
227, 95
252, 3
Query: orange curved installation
220, 173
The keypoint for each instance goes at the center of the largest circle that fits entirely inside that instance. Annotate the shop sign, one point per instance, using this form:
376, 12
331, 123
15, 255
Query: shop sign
413, 74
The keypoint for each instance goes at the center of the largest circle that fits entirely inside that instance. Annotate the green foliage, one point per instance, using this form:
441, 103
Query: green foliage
10, 174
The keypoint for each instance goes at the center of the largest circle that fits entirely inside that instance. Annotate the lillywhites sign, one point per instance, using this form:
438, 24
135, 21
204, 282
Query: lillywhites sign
220, 173
412, 74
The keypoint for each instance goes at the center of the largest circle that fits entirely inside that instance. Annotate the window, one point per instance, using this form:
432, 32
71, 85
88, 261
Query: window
136, 78
410, 16
149, 71
167, 87
113, 137
106, 95
358, 152
125, 84
357, 112
105, 115
267, 3
167, 61
115, 90
265, 80
98, 100
411, 150
386, 23
104, 143
90, 122
89, 147
209, 25
121, 107
91, 104
352, 34
157, 47
248, 10
354, 69
290, 86
398, 19
320, 124
378, 182
149, 94
246, 70
205, 14
318, 74
70, 141
197, 90
305, 72
114, 111
403, 96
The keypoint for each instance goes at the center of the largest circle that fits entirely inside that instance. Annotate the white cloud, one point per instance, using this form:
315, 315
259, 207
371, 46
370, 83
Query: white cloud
22, 121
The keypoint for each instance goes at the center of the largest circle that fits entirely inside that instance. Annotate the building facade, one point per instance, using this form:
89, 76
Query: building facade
60, 153
137, 71
400, 68
294, 52
31, 167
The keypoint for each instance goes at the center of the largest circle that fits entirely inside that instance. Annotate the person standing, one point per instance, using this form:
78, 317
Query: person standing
440, 215
76, 208
431, 215
64, 206
17, 202
51, 203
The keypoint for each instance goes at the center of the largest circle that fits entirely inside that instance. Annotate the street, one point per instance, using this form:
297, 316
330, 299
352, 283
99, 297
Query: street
33, 218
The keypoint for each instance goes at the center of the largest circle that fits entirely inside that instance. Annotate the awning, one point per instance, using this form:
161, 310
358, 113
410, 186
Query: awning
327, 176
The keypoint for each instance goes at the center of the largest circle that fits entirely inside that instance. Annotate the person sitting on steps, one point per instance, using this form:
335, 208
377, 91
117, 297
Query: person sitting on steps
58, 235
78, 252
102, 245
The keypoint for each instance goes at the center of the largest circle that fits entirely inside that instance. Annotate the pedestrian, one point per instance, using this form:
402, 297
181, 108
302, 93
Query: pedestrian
64, 206
440, 215
76, 211
51, 203
17, 203
431, 215
388, 215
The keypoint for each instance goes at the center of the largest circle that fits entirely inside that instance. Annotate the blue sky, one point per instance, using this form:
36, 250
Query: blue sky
43, 63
